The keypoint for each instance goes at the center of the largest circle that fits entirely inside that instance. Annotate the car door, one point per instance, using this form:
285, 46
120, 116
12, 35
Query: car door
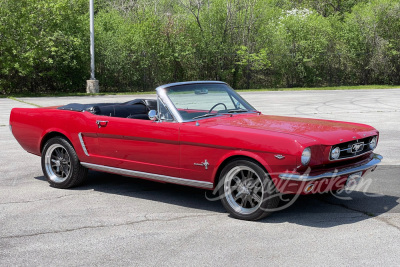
140, 145
201, 150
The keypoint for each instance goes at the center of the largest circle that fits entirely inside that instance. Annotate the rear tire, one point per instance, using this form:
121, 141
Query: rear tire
246, 191
61, 165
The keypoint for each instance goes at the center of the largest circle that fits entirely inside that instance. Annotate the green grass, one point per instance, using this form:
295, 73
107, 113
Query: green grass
357, 87
25, 102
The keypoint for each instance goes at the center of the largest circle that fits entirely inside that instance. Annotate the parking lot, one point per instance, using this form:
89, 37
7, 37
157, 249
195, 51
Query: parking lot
116, 220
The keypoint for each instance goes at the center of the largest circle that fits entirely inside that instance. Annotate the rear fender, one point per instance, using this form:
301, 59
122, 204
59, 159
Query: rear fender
49, 133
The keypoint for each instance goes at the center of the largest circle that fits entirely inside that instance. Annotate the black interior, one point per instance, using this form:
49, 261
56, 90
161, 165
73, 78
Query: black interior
134, 109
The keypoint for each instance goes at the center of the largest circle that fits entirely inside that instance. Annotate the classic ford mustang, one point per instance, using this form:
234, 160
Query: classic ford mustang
200, 134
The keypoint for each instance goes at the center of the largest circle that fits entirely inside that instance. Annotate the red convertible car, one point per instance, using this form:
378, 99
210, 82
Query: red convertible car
200, 134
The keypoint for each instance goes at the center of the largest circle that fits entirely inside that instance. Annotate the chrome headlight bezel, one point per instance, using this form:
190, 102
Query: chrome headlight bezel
306, 156
373, 143
335, 153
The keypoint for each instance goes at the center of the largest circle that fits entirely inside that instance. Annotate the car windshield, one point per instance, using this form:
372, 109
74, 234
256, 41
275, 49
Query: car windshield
195, 101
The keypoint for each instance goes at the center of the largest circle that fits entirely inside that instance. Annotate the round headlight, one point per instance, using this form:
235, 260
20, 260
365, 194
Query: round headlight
372, 143
306, 156
335, 153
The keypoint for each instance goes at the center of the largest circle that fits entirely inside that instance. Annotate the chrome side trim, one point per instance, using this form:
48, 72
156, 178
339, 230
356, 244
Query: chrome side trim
296, 177
152, 176
83, 144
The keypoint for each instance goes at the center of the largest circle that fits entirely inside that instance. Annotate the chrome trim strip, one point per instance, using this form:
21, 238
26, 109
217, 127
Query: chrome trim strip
296, 177
351, 157
190, 82
162, 94
349, 148
152, 176
83, 144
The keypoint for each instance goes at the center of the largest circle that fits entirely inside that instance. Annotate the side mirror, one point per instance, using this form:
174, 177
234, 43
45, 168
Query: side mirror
153, 115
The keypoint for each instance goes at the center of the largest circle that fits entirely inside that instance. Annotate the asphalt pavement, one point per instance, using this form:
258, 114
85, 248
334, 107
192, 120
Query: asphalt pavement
115, 220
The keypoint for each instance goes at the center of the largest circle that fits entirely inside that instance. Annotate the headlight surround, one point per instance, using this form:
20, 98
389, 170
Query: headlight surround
373, 143
335, 153
306, 156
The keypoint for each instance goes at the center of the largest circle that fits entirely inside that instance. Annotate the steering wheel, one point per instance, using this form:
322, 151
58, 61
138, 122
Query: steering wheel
216, 106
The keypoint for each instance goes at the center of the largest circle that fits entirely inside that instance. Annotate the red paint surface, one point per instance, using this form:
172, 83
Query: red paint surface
171, 149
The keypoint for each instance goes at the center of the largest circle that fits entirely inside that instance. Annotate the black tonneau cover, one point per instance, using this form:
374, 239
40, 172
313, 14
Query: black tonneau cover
137, 108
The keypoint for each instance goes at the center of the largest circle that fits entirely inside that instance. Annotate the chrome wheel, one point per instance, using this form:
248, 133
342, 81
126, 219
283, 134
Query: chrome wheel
61, 165
244, 190
57, 163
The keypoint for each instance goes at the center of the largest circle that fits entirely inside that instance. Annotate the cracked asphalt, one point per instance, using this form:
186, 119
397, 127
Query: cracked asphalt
116, 220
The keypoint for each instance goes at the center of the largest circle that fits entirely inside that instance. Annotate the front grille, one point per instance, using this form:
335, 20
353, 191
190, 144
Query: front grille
353, 148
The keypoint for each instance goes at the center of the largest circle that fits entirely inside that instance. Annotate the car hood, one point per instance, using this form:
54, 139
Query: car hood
324, 131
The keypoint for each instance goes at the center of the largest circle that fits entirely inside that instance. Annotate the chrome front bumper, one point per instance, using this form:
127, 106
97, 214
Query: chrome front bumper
305, 177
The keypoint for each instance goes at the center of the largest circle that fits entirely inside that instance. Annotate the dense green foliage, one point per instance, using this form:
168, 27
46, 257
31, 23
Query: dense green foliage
44, 44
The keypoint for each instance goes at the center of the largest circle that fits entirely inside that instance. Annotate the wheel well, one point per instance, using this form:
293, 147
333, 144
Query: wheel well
50, 135
229, 160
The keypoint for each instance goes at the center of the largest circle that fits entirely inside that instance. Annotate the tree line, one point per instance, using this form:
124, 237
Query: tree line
140, 44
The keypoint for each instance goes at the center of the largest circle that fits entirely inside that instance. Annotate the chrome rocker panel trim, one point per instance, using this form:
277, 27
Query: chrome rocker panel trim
295, 177
152, 176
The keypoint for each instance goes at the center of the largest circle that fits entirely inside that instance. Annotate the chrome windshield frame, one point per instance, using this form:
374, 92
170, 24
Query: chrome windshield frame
163, 97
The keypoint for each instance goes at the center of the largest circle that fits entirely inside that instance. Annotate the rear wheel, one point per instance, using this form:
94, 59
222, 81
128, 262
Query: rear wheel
61, 165
246, 190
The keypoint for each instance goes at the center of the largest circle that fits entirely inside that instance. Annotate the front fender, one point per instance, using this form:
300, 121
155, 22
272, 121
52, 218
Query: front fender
272, 164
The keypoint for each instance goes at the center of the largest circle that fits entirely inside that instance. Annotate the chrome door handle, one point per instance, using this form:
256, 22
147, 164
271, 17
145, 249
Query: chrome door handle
101, 123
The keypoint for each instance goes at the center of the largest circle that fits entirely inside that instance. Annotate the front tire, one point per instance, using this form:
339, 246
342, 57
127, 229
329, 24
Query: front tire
246, 190
61, 165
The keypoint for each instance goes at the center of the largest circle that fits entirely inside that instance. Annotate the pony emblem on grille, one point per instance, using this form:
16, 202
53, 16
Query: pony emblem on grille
357, 147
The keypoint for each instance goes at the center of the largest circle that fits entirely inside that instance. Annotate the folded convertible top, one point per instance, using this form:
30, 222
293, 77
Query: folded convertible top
128, 109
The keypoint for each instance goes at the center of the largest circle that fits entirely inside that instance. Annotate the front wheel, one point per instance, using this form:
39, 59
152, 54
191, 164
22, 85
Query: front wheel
61, 165
246, 190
